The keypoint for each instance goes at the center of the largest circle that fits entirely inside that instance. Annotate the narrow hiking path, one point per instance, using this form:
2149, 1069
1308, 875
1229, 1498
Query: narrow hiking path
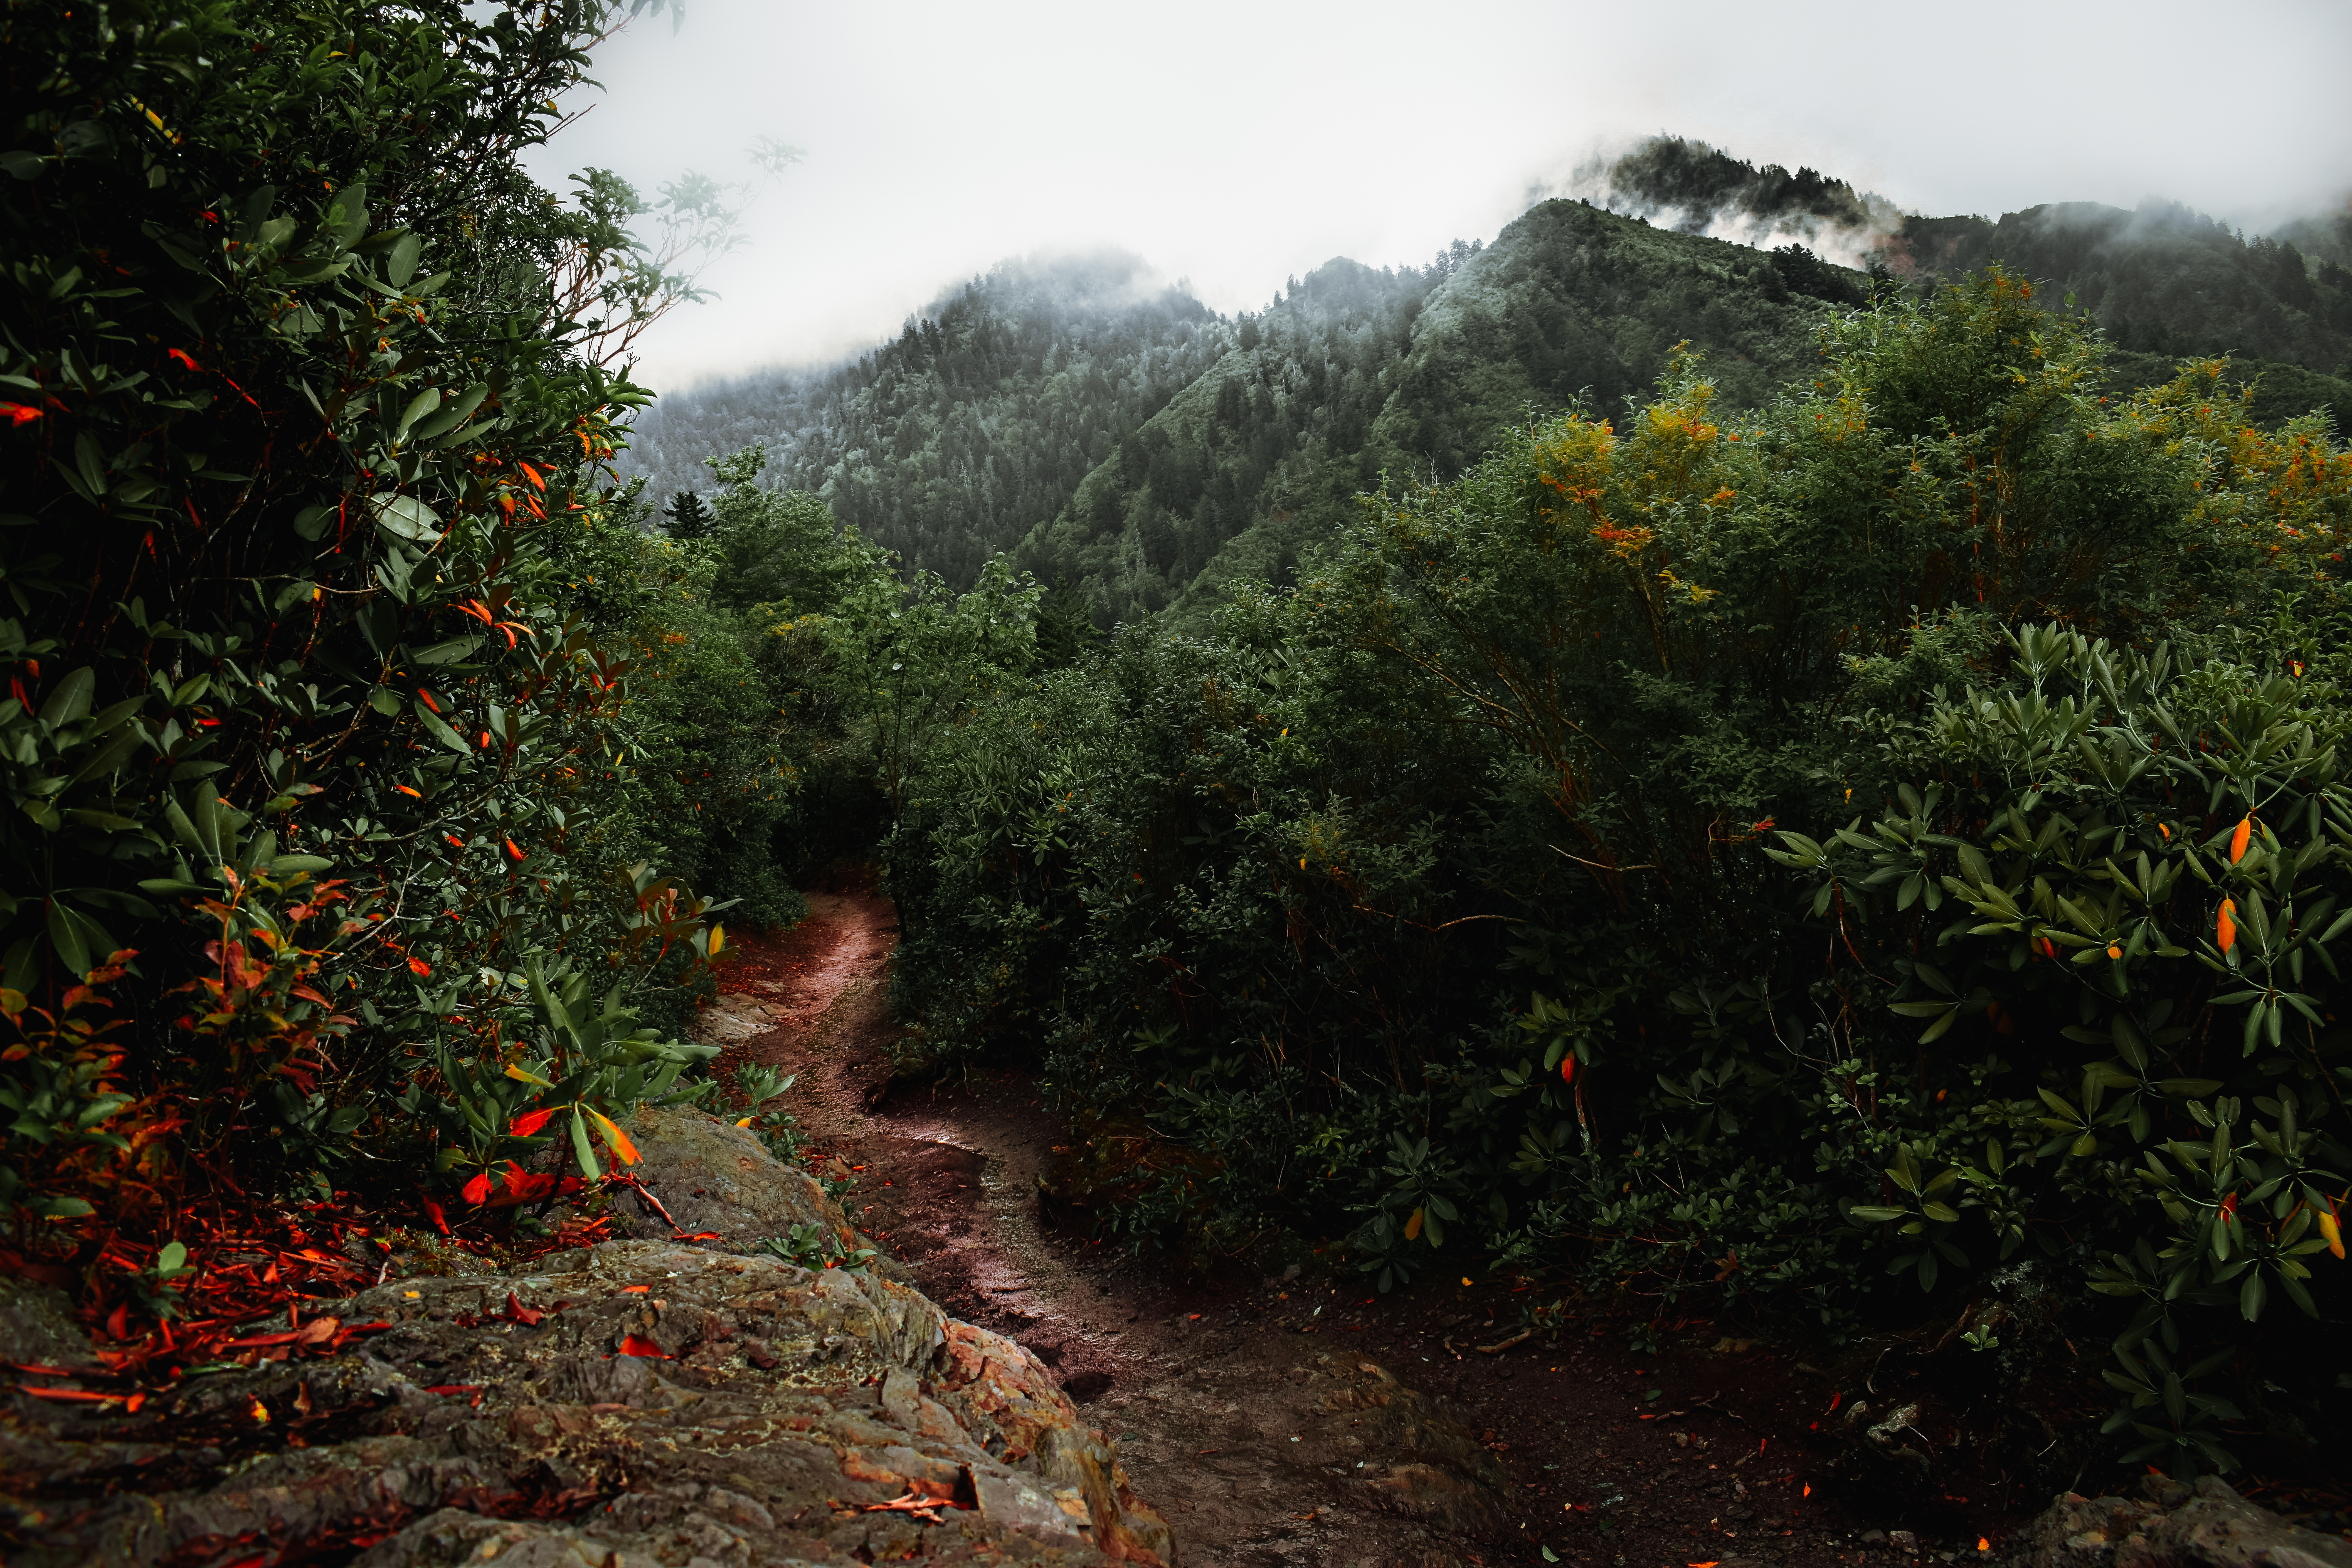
1297, 1420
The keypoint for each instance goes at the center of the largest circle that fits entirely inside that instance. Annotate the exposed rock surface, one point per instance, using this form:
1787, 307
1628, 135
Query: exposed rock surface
637, 1403
2171, 1525
716, 1178
37, 1327
1324, 1457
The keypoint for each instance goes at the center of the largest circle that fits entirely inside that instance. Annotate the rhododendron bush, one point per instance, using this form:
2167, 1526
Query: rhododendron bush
310, 745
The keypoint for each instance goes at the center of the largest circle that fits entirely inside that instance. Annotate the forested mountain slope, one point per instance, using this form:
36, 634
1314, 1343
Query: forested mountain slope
2161, 281
1297, 395
980, 418
1122, 437
1263, 457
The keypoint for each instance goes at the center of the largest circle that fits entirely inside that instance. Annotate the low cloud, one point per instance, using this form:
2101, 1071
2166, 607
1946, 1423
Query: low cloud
1694, 188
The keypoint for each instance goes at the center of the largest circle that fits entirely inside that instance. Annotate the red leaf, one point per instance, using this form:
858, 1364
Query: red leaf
638, 1345
530, 1122
185, 358
419, 966
18, 414
440, 1219
479, 1189
528, 1317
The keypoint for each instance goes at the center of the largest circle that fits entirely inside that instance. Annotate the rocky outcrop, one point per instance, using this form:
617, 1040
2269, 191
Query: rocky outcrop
37, 1327
2171, 1525
633, 1404
717, 1180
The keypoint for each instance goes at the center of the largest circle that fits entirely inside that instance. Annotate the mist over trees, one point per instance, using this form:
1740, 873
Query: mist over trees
1117, 437
981, 418
1694, 188
2162, 281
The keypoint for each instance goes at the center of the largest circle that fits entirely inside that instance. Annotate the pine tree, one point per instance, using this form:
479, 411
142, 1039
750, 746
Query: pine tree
688, 518
1066, 627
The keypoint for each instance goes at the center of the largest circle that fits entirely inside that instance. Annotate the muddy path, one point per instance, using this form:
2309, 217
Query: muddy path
1297, 1419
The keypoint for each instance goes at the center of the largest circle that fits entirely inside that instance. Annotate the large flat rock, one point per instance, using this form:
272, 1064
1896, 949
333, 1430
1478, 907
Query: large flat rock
636, 1404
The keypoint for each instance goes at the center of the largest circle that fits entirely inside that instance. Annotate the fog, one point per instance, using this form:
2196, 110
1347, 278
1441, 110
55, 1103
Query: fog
1235, 146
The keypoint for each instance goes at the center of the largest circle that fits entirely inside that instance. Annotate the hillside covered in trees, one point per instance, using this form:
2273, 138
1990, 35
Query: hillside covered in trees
1263, 457
984, 415
1122, 439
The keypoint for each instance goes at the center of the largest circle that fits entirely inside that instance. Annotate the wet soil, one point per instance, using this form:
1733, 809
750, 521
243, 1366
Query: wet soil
1239, 1399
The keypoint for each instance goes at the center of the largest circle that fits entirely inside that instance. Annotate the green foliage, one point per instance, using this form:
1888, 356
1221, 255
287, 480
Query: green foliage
811, 1244
2144, 861
1438, 904
688, 517
293, 397
573, 1061
761, 1089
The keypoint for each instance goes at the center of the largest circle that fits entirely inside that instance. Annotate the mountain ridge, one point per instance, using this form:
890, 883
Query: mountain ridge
1111, 431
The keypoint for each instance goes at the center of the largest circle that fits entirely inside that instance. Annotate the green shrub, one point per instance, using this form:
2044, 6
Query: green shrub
306, 743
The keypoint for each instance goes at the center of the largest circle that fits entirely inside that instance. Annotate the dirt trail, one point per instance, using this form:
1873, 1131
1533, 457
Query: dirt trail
1264, 1416
1257, 1443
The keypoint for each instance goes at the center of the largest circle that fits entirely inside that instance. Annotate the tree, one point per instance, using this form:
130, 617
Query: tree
1066, 627
688, 517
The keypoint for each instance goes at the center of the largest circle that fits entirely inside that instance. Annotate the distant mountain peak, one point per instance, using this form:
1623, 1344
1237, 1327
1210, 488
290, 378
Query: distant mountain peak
1693, 187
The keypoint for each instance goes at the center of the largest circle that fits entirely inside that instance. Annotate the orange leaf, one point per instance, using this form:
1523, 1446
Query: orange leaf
2225, 930
638, 1345
479, 1189
615, 1138
2239, 839
420, 966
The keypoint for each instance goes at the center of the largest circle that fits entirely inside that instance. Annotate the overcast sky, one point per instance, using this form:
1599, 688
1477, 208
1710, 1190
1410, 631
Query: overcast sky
1236, 144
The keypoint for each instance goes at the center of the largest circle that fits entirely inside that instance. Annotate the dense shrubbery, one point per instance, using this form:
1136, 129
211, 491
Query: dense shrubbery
363, 752
304, 725
1511, 885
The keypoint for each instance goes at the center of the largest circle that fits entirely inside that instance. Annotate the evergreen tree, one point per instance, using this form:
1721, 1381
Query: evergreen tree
688, 517
1066, 627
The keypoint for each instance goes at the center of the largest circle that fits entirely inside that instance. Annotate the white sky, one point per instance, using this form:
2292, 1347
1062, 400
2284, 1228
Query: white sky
1239, 143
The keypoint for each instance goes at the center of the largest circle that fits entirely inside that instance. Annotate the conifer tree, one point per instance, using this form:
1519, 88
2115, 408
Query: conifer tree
688, 517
